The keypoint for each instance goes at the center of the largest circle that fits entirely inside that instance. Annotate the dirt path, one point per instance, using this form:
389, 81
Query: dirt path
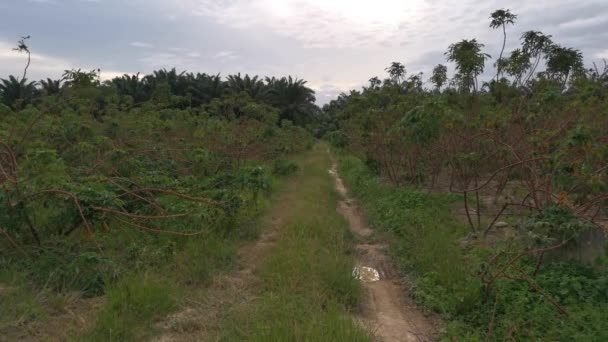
200, 319
388, 311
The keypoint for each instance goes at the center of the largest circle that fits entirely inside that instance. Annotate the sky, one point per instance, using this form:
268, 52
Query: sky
335, 45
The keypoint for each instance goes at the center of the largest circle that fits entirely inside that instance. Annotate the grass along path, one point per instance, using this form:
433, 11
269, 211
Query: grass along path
387, 309
306, 291
295, 283
292, 284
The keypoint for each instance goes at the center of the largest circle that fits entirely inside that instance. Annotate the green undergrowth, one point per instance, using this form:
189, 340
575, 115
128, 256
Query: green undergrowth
131, 305
423, 234
160, 276
17, 302
446, 277
307, 287
142, 276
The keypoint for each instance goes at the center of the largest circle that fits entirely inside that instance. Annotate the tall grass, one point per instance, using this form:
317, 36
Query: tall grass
423, 235
131, 306
18, 301
424, 239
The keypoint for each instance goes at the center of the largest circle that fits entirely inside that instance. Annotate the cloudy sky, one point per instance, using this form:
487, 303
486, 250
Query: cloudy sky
334, 44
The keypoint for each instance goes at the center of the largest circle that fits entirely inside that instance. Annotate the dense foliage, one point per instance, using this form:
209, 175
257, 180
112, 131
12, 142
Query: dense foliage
528, 147
562, 301
544, 130
104, 180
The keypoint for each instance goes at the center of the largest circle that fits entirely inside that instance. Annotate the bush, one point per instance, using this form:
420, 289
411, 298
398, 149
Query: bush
61, 269
424, 241
283, 167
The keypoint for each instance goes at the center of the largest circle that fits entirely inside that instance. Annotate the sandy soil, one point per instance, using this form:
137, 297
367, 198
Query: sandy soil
388, 311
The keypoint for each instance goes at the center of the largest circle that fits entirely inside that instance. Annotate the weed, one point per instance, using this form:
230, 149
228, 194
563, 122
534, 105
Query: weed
424, 238
283, 167
131, 305
18, 301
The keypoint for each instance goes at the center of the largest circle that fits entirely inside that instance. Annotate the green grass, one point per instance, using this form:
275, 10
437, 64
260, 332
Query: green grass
424, 237
164, 271
131, 266
307, 290
131, 306
19, 303
201, 258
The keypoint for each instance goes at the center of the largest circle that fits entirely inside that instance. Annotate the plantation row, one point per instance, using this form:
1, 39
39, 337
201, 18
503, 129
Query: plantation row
526, 153
134, 187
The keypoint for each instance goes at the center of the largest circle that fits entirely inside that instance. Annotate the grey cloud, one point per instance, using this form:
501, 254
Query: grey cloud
142, 45
334, 49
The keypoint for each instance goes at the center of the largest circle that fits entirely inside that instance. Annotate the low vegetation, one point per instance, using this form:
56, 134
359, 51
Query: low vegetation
494, 195
134, 189
307, 287
562, 300
120, 197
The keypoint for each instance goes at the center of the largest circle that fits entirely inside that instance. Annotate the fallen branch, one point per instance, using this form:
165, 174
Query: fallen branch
78, 206
12, 242
147, 217
173, 193
159, 231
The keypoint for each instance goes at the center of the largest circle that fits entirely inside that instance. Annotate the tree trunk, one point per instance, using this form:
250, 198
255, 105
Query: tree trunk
504, 43
29, 59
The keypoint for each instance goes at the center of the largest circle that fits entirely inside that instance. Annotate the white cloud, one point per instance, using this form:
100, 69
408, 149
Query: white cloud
225, 56
584, 22
335, 44
142, 45
41, 66
110, 74
160, 60
53, 2
602, 54
13, 63
189, 61
316, 23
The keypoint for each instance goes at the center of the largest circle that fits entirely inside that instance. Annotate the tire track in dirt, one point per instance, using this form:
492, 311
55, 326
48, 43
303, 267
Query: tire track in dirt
389, 313
200, 319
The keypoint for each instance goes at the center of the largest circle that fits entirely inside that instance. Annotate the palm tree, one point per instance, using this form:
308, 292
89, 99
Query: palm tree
203, 88
131, 85
50, 86
470, 61
81, 78
176, 82
253, 86
16, 93
295, 101
396, 71
501, 18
